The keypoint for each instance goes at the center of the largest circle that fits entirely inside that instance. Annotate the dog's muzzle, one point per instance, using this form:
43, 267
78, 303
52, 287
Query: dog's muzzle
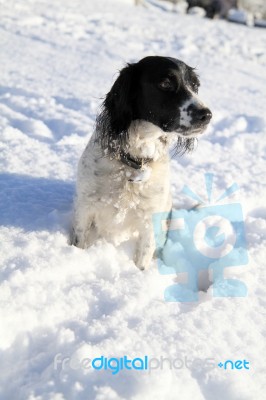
201, 116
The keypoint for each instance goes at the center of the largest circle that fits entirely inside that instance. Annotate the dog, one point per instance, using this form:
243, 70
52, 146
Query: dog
124, 172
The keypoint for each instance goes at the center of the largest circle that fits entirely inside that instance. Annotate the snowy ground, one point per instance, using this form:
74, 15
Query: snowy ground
58, 59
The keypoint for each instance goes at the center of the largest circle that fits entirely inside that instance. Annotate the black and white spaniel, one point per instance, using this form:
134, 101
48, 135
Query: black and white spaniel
123, 174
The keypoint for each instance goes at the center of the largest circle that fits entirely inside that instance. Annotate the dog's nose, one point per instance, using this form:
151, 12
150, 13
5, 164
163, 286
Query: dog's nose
203, 115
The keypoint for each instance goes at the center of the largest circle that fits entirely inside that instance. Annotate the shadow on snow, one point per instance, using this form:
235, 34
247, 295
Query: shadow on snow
34, 203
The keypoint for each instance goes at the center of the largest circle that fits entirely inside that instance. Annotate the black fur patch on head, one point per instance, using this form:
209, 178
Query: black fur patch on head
155, 90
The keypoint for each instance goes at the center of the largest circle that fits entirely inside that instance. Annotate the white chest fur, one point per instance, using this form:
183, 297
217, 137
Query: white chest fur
114, 199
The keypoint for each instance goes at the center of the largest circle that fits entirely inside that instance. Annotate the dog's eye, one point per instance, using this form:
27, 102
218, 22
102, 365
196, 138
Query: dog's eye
166, 84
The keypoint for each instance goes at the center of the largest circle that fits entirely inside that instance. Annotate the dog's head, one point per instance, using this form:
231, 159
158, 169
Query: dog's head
160, 90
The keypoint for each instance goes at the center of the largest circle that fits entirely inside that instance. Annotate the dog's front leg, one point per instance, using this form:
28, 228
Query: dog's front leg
145, 248
83, 233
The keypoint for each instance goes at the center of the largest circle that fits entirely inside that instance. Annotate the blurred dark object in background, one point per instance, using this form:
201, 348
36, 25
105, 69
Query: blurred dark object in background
213, 8
249, 12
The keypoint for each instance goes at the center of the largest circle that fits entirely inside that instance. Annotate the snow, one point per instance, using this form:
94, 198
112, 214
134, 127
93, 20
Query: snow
58, 60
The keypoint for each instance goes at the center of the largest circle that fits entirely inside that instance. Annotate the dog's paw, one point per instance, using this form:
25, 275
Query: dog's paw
141, 264
143, 257
75, 240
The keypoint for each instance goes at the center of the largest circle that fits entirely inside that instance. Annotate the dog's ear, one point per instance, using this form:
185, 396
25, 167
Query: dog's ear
117, 111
